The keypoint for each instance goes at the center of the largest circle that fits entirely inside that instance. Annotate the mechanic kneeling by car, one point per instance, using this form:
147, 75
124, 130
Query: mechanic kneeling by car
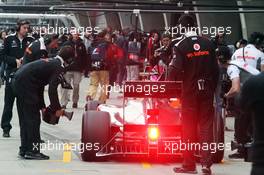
239, 72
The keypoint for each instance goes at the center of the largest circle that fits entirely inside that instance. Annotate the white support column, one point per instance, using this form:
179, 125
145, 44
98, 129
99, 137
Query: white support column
197, 19
165, 20
120, 19
243, 22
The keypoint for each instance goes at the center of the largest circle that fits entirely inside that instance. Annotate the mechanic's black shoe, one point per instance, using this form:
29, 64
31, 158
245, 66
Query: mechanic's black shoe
185, 170
21, 154
6, 134
236, 155
35, 156
206, 171
41, 141
74, 105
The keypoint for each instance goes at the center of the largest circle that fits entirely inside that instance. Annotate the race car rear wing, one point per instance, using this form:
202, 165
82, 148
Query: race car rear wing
151, 89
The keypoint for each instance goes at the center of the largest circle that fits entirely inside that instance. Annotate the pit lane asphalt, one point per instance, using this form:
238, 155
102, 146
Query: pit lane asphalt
66, 132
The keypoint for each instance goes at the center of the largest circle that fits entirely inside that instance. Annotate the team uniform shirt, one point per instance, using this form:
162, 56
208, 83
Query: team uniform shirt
30, 80
195, 57
233, 72
14, 49
251, 55
235, 67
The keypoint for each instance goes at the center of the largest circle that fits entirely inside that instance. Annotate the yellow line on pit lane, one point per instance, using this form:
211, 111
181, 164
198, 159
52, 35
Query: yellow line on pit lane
59, 171
146, 165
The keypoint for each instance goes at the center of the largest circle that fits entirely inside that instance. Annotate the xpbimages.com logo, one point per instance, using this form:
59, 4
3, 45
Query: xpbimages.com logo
147, 89
212, 31
174, 147
59, 146
42, 30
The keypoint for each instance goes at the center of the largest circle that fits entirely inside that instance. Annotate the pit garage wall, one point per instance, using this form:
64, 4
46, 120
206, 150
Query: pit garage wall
222, 20
254, 22
147, 22
127, 20
242, 24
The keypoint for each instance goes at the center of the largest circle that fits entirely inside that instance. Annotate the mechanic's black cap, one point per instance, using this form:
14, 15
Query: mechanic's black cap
186, 21
67, 54
256, 38
223, 54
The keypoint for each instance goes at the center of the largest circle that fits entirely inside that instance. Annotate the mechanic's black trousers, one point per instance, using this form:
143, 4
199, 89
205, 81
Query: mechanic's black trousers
29, 119
257, 169
198, 116
243, 125
8, 108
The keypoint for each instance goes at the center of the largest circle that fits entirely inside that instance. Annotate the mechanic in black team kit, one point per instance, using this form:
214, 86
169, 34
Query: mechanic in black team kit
194, 63
28, 86
13, 51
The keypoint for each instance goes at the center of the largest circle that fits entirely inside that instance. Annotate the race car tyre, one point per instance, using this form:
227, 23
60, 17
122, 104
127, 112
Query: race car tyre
219, 139
91, 105
95, 133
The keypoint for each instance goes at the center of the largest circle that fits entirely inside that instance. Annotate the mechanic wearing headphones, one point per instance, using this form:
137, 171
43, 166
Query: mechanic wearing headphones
252, 54
195, 57
13, 51
239, 72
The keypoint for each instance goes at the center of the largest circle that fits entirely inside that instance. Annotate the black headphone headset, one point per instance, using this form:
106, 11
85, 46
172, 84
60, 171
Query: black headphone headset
21, 23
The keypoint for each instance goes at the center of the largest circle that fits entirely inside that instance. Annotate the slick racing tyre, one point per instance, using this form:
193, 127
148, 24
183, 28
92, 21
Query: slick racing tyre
91, 105
95, 133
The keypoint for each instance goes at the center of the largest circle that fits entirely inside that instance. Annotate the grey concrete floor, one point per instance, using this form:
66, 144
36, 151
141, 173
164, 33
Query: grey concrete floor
67, 131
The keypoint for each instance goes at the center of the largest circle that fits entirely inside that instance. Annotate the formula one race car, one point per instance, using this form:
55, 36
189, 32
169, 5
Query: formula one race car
147, 124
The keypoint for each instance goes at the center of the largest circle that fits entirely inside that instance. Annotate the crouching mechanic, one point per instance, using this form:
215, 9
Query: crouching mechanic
28, 85
252, 102
239, 72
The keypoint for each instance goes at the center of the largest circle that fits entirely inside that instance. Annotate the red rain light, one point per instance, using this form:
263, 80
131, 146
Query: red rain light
153, 133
